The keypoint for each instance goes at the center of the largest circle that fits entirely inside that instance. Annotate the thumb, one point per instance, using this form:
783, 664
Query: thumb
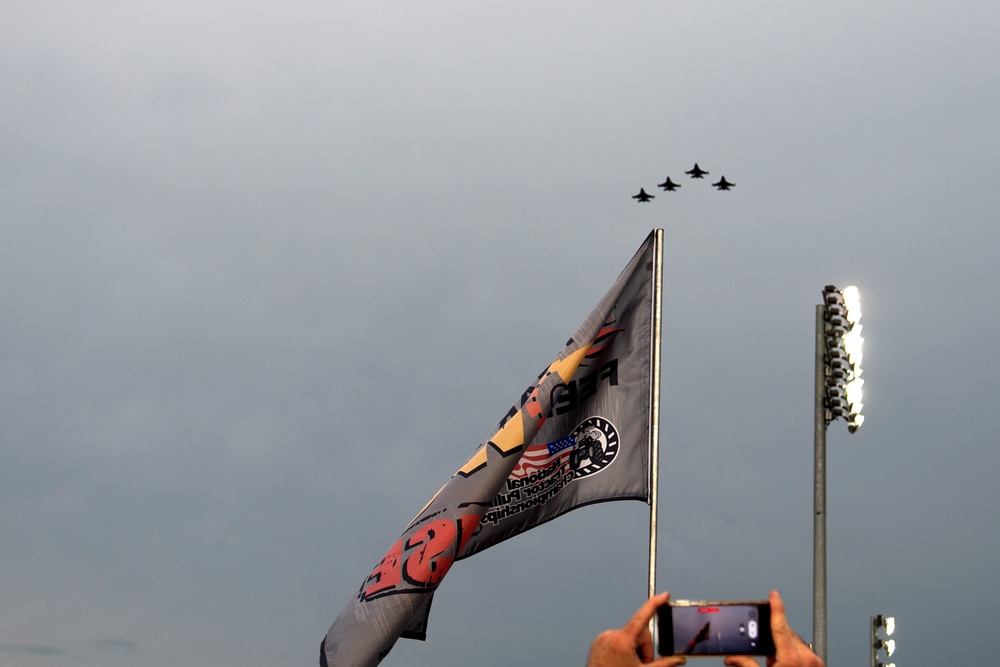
671, 661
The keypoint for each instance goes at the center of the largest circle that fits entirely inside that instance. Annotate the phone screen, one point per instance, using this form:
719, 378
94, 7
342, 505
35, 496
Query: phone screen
715, 628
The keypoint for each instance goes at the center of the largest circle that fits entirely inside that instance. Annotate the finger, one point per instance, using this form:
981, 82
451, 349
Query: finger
788, 646
640, 621
782, 633
778, 611
740, 661
645, 648
671, 661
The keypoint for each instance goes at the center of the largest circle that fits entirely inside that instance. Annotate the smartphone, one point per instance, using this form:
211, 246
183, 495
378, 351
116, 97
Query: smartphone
701, 628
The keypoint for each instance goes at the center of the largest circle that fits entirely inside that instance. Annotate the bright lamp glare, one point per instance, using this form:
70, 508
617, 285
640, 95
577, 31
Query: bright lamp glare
890, 625
852, 390
890, 647
856, 424
853, 341
852, 302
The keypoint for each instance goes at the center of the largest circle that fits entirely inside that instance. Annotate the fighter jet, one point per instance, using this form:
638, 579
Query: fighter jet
643, 196
669, 185
723, 184
697, 172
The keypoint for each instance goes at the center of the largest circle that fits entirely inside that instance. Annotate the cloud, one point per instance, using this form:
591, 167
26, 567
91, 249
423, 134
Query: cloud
32, 649
115, 645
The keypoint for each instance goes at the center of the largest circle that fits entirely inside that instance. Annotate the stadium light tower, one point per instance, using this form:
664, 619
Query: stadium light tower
887, 625
838, 395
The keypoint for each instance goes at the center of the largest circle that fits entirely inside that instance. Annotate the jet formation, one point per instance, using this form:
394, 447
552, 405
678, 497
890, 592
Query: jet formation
670, 186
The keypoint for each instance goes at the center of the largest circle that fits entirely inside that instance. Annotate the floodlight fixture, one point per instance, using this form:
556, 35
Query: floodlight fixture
887, 624
837, 396
882, 625
853, 426
887, 645
842, 355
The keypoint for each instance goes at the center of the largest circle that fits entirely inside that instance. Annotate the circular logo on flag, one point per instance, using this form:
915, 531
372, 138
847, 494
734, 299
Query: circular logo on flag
596, 446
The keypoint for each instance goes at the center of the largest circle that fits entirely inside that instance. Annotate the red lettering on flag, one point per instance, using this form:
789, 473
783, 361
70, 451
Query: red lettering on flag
428, 564
385, 577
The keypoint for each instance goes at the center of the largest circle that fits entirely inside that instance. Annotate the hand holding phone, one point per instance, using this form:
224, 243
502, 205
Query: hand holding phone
789, 649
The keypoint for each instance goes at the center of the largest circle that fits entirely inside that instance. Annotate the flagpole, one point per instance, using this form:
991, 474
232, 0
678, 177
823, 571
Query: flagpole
654, 408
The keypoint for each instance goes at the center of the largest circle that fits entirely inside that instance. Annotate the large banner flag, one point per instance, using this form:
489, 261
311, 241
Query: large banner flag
579, 434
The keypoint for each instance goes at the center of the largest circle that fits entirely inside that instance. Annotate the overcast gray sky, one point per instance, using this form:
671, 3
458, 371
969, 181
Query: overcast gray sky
269, 273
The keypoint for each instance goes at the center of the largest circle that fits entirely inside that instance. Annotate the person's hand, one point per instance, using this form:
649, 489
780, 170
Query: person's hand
633, 644
789, 649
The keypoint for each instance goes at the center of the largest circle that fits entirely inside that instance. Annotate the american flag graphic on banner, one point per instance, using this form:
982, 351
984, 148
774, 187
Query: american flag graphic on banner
542, 457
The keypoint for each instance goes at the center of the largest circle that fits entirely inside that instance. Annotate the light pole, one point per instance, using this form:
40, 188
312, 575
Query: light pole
887, 624
838, 395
